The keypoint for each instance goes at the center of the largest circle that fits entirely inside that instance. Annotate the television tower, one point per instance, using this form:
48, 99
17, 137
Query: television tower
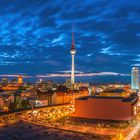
72, 51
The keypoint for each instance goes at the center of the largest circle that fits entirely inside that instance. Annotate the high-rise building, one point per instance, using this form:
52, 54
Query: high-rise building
68, 83
72, 51
4, 80
135, 78
20, 80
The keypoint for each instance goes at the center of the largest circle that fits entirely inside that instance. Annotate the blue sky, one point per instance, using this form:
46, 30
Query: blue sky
35, 36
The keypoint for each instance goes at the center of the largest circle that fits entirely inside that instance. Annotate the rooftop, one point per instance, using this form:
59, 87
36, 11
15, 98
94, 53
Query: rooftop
113, 94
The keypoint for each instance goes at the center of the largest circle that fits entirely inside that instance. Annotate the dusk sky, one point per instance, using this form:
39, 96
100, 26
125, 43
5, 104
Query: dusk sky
35, 37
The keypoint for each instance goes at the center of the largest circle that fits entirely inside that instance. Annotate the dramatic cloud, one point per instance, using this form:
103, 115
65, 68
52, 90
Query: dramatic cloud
83, 74
35, 36
14, 75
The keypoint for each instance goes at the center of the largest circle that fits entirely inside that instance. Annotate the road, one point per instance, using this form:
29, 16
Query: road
133, 132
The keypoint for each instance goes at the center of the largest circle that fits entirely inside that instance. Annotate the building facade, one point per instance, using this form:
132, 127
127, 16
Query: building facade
106, 108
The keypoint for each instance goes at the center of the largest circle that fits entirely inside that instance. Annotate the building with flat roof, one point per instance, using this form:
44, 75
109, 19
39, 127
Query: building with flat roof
109, 107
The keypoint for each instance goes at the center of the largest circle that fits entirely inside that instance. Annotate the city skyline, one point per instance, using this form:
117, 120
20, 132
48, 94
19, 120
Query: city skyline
70, 70
107, 38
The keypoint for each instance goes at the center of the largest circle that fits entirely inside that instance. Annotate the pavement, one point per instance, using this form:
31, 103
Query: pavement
27, 131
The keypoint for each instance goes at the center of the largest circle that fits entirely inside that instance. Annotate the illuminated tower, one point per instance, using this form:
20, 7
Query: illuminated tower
20, 80
135, 78
72, 51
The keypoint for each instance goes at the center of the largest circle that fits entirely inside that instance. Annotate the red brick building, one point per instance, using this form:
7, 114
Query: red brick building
106, 108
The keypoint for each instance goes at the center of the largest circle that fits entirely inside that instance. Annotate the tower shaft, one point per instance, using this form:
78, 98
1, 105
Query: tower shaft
72, 70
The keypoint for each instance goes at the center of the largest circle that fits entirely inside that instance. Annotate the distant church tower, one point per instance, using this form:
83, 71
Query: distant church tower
72, 51
20, 80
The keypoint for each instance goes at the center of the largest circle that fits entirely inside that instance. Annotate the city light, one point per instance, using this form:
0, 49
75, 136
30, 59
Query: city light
70, 70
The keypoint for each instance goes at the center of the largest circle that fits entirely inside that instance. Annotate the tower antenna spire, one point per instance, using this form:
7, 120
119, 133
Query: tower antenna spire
73, 45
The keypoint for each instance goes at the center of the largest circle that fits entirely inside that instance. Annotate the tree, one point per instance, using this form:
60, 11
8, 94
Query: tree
25, 104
